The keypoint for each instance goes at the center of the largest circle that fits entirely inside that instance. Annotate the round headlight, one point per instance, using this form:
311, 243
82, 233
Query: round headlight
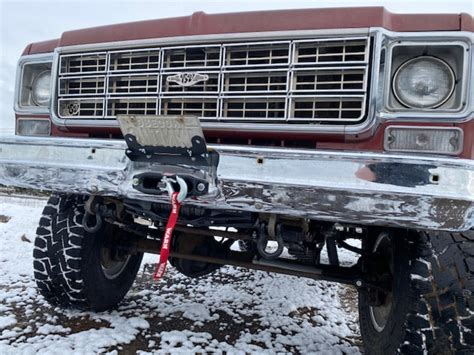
423, 82
41, 88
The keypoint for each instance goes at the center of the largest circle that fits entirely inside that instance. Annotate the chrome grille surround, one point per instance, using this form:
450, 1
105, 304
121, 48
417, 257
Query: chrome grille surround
319, 81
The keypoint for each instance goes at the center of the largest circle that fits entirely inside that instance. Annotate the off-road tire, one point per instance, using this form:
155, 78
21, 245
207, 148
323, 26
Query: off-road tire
67, 262
433, 301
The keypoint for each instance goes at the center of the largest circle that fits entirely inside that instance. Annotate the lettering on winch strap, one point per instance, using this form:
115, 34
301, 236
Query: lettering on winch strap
167, 238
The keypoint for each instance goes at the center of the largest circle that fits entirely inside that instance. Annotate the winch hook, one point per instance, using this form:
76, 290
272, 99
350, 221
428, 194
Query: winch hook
183, 187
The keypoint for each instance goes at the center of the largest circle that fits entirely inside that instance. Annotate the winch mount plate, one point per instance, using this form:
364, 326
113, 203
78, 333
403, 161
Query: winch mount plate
174, 140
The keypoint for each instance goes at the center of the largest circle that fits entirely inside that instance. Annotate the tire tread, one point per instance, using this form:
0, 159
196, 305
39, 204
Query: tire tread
443, 283
57, 252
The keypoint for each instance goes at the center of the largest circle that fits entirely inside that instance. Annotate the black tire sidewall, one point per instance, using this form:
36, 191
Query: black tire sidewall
389, 339
102, 292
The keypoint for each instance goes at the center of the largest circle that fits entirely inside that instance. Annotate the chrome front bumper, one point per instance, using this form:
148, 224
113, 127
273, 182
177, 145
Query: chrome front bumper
363, 188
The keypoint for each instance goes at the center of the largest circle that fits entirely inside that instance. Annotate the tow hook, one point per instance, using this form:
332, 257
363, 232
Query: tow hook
92, 220
274, 234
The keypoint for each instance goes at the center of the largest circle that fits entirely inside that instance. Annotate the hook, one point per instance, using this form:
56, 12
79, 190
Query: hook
183, 187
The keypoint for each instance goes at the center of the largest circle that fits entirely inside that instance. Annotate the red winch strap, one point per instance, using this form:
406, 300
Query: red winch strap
165, 246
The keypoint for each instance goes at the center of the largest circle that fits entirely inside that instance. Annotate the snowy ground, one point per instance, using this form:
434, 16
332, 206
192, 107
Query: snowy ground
233, 310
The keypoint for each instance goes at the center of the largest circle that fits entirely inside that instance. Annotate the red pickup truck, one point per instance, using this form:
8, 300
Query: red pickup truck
290, 132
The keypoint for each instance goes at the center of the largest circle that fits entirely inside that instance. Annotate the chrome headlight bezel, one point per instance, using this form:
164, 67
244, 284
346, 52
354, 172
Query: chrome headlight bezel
29, 68
454, 52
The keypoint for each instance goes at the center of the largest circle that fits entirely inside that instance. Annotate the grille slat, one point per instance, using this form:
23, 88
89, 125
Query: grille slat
81, 108
312, 81
123, 61
202, 107
82, 86
132, 84
83, 64
132, 106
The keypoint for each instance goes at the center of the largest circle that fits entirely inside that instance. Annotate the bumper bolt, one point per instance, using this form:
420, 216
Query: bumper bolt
201, 187
358, 283
135, 181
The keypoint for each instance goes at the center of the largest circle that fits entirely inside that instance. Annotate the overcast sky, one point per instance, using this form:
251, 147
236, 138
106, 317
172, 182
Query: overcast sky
22, 22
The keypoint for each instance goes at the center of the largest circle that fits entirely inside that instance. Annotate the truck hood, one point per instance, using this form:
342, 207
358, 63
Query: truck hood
201, 23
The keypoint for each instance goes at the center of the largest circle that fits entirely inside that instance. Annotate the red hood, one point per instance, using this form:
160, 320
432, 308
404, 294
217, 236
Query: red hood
201, 23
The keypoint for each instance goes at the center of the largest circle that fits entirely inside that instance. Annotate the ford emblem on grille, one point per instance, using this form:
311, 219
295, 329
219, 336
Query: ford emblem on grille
187, 79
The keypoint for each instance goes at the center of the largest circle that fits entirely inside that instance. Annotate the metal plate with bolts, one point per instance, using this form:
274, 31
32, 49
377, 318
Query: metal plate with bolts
164, 139
162, 131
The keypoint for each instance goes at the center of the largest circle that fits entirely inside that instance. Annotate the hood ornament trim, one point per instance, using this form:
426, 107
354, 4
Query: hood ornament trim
187, 79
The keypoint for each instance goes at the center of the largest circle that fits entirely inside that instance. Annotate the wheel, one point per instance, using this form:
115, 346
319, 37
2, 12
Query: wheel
430, 308
73, 267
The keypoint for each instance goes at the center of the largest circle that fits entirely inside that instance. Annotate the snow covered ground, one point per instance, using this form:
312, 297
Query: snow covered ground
233, 310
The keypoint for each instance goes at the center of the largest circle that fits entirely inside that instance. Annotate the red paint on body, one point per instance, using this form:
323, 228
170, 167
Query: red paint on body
201, 23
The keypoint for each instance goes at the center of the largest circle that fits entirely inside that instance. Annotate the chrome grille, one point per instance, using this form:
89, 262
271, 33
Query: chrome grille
330, 51
82, 85
131, 106
326, 108
257, 54
191, 57
198, 106
83, 63
81, 108
132, 84
321, 81
134, 60
256, 108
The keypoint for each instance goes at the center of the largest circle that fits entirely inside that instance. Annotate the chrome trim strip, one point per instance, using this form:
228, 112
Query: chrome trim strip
364, 188
228, 37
